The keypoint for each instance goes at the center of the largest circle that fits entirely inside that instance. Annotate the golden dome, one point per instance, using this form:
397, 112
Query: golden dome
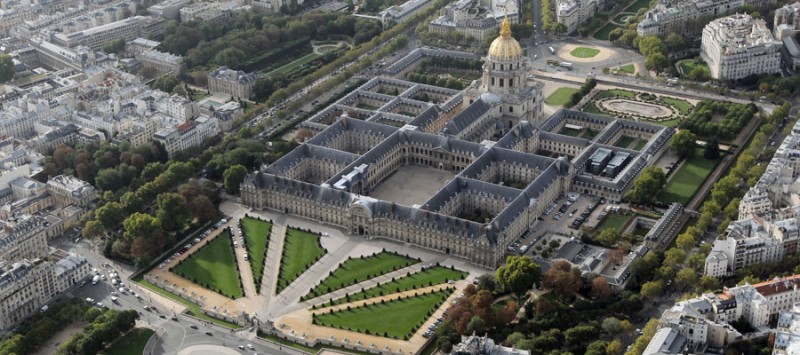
505, 47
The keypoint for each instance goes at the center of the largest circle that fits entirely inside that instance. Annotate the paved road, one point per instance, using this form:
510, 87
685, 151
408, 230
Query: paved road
172, 336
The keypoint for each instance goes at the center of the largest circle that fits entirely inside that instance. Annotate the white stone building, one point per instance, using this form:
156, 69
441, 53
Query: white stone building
187, 135
69, 190
236, 83
739, 46
573, 13
474, 19
687, 17
96, 37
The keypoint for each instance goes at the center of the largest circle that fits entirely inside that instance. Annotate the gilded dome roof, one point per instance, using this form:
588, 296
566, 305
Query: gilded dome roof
505, 47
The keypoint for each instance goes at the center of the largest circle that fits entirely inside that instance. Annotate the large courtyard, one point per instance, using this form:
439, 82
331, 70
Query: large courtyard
412, 185
353, 274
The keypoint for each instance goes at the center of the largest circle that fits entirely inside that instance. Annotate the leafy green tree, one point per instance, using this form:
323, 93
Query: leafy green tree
514, 338
131, 202
647, 186
608, 237
108, 179
698, 74
518, 275
110, 215
611, 326
173, 213
140, 225
686, 277
683, 143
651, 290
92, 230
7, 69
712, 149
580, 334
233, 177
476, 325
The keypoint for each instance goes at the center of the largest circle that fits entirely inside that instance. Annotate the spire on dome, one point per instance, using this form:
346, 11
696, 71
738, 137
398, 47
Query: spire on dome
505, 28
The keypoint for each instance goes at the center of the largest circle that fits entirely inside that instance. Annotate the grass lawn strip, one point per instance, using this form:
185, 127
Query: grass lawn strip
640, 144
687, 65
357, 270
624, 142
570, 132
638, 5
584, 52
560, 96
433, 276
292, 66
192, 309
132, 343
628, 69
397, 318
301, 249
614, 221
682, 105
689, 177
256, 235
214, 267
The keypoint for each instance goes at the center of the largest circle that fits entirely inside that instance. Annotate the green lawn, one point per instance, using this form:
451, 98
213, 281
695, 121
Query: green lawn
625, 141
397, 318
604, 31
213, 267
570, 132
590, 107
687, 65
357, 270
300, 250
433, 276
256, 234
560, 96
689, 177
615, 93
639, 4
640, 144
683, 106
131, 344
614, 221
292, 66
584, 52
628, 69
192, 309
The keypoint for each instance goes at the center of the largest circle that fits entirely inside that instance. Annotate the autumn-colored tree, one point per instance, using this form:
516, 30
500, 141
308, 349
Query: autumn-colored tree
508, 313
202, 208
563, 279
601, 288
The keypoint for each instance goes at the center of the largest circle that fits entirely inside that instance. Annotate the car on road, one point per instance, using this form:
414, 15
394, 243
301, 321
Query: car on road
209, 333
193, 326
250, 346
241, 347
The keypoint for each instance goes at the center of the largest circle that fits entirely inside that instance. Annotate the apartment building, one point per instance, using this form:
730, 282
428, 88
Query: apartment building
162, 62
573, 13
236, 83
187, 135
69, 190
687, 17
739, 46
787, 333
169, 9
474, 19
25, 286
96, 37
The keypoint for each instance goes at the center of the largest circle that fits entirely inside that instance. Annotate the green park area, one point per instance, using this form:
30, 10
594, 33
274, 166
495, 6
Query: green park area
433, 276
256, 234
360, 269
627, 69
603, 32
132, 343
560, 96
301, 249
614, 93
683, 106
295, 64
687, 65
638, 5
213, 267
584, 52
640, 144
396, 319
688, 179
614, 221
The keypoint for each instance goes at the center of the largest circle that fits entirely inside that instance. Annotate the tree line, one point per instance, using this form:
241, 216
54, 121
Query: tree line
104, 327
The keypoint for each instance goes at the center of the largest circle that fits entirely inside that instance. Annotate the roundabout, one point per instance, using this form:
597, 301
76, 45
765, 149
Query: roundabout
584, 54
208, 350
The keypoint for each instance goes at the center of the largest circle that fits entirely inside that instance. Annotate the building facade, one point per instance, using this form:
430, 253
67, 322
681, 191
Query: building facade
687, 17
236, 83
739, 46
